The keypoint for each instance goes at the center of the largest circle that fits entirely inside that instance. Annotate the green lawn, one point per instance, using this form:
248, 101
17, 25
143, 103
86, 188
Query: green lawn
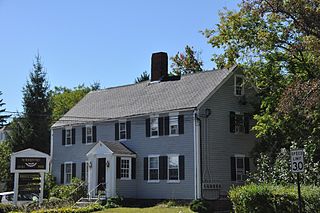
156, 209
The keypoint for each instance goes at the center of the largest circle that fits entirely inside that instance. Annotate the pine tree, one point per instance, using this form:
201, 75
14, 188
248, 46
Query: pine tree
143, 77
3, 117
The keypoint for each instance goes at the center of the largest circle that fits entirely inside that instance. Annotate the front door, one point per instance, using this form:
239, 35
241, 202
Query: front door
101, 173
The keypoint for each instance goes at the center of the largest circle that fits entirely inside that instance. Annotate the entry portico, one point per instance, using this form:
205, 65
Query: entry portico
103, 166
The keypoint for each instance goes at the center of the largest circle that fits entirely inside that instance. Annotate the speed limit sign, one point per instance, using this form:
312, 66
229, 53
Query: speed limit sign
297, 164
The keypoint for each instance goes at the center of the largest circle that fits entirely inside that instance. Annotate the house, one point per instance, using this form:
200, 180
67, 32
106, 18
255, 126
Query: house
168, 138
3, 133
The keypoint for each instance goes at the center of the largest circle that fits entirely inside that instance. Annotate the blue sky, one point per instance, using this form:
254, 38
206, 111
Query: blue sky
109, 42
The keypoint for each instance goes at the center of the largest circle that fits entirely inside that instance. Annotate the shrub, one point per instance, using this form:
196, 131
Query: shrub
73, 191
199, 206
274, 198
87, 209
7, 208
114, 202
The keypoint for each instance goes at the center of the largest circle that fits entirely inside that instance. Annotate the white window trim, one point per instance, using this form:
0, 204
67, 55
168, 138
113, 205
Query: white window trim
173, 181
153, 181
157, 117
65, 172
173, 114
125, 124
130, 168
86, 175
89, 126
239, 132
236, 158
66, 129
235, 85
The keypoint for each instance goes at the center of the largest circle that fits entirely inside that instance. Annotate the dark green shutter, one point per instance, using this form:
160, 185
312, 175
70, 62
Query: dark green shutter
94, 134
148, 127
232, 121
246, 164
83, 134
118, 172
83, 171
233, 169
74, 174
160, 121
246, 123
62, 174
181, 167
63, 137
128, 128
73, 136
116, 131
145, 168
133, 168
166, 125
163, 167
181, 124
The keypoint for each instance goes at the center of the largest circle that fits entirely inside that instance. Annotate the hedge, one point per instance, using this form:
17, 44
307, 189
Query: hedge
266, 198
87, 209
6, 208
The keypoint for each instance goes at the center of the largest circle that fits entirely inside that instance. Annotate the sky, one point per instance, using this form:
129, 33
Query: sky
109, 42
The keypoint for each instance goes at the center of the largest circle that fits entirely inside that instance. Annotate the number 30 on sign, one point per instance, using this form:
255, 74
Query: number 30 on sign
297, 164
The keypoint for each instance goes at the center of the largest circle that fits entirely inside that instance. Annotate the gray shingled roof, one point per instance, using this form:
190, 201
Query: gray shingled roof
145, 98
118, 148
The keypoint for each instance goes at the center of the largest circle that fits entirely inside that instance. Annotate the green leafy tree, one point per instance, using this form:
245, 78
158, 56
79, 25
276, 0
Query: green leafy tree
186, 62
5, 152
143, 77
276, 42
63, 99
3, 117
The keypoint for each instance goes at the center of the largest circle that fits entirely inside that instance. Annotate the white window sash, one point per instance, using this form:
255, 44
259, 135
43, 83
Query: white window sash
128, 169
156, 168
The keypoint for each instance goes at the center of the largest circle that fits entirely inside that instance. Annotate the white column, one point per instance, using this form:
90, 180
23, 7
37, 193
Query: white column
41, 188
16, 185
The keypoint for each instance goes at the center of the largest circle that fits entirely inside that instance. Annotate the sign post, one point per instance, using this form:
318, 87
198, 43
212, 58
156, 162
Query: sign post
297, 166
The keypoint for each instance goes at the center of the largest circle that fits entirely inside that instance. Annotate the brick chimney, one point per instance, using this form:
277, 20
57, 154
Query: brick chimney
159, 66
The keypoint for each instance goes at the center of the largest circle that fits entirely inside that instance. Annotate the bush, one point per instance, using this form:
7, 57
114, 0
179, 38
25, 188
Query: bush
73, 191
87, 209
274, 198
114, 202
7, 208
199, 206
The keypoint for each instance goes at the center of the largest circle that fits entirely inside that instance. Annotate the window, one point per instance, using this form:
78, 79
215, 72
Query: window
240, 171
173, 167
154, 126
68, 136
89, 134
85, 171
239, 123
153, 168
125, 168
68, 172
122, 130
238, 85
173, 120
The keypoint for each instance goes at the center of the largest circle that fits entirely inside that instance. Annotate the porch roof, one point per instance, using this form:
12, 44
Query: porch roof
118, 148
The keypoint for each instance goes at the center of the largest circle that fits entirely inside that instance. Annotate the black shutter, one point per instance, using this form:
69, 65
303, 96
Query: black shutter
160, 121
62, 174
128, 127
181, 124
163, 167
246, 123
145, 168
74, 170
83, 134
148, 127
73, 135
83, 171
63, 137
116, 131
232, 121
133, 168
246, 164
181, 167
166, 125
118, 172
94, 134
233, 169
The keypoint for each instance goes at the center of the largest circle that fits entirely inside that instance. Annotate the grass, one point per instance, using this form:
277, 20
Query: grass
155, 209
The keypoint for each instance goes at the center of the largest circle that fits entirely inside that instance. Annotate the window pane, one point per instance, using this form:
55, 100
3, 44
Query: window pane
89, 130
68, 168
239, 163
173, 174
173, 162
154, 162
154, 174
122, 126
123, 135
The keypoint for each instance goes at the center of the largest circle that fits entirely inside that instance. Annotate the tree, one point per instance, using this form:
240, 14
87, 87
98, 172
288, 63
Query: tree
31, 129
63, 99
5, 152
3, 117
276, 42
143, 77
187, 62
